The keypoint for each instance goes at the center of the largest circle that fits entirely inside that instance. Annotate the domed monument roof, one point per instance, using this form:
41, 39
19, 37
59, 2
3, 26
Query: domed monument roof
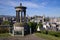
20, 6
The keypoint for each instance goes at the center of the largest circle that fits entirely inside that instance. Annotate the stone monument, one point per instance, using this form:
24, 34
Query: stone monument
18, 28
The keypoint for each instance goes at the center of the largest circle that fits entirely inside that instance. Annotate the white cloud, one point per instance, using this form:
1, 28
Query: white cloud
43, 4
30, 4
8, 3
15, 3
25, 3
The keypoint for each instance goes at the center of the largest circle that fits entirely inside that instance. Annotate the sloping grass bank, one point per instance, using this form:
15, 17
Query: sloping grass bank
4, 35
47, 37
53, 33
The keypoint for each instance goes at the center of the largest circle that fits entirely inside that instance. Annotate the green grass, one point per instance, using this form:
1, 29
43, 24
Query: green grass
53, 33
4, 35
47, 37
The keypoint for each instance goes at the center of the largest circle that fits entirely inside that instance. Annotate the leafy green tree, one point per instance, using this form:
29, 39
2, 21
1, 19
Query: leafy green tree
32, 26
3, 28
5, 23
29, 24
40, 25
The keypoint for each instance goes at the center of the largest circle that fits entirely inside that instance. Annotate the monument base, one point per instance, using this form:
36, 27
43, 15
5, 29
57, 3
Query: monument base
18, 29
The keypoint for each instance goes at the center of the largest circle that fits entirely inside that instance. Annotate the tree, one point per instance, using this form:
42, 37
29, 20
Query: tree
29, 24
4, 27
40, 25
5, 23
32, 26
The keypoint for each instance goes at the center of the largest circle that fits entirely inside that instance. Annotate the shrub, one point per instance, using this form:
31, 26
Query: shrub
43, 31
53, 33
47, 37
4, 30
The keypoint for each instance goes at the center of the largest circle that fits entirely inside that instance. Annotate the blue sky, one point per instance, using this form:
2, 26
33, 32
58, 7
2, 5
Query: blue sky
49, 8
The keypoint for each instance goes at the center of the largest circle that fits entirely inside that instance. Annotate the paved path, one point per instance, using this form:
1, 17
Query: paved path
28, 37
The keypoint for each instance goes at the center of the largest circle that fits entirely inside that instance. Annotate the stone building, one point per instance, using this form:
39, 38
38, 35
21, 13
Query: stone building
37, 19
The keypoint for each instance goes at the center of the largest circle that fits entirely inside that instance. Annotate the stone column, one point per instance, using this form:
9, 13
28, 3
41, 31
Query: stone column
22, 31
17, 16
25, 16
21, 16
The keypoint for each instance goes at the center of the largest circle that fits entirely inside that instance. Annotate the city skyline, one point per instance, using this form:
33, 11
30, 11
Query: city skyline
49, 8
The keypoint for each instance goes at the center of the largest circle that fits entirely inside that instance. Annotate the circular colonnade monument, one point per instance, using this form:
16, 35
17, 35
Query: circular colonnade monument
19, 26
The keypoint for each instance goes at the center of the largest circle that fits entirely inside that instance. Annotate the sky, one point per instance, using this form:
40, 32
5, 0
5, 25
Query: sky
49, 8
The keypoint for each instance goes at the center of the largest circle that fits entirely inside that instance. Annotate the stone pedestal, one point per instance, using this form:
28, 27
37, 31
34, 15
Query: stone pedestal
18, 30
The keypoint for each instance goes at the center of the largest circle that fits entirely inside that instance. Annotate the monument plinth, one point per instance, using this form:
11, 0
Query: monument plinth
19, 26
